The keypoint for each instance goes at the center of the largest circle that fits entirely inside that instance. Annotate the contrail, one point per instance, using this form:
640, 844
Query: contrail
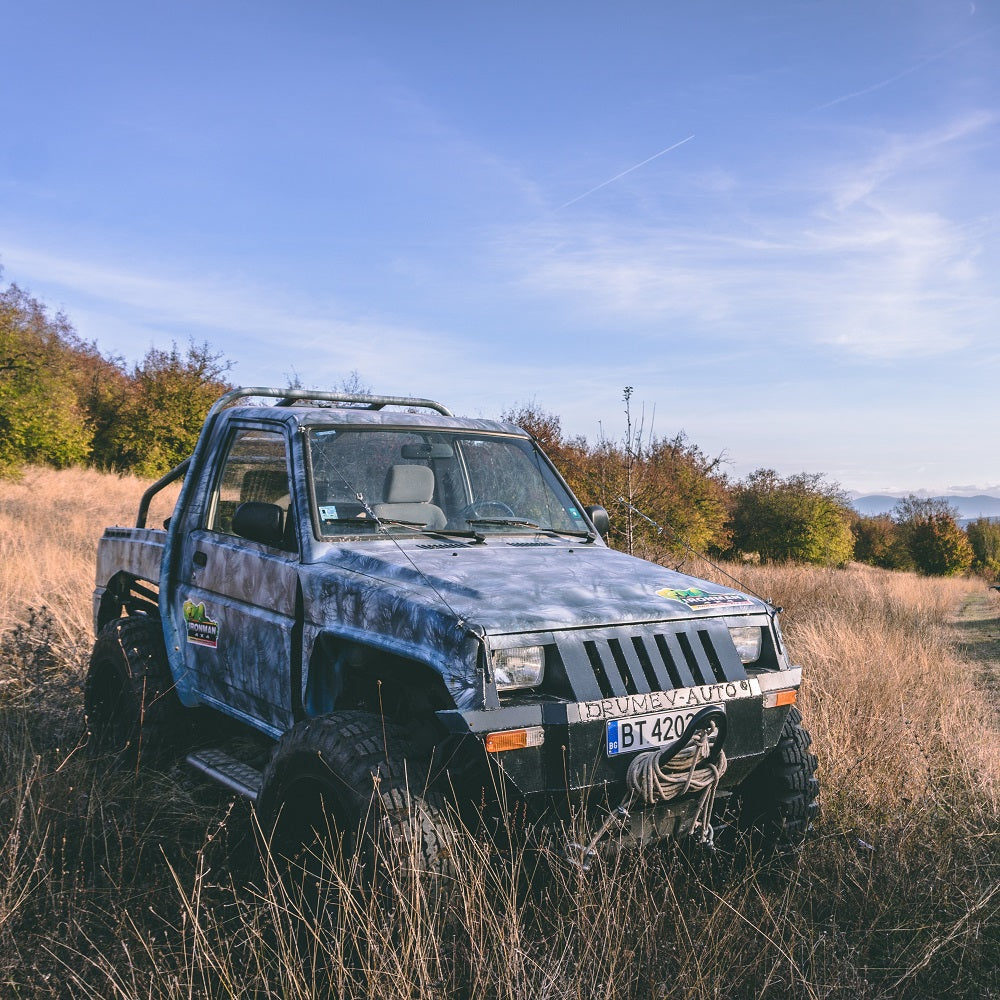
906, 72
617, 177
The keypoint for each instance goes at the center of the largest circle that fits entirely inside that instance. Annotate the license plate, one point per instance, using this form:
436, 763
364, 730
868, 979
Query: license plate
649, 732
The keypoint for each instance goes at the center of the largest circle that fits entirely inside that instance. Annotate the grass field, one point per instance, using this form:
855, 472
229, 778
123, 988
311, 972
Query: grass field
116, 882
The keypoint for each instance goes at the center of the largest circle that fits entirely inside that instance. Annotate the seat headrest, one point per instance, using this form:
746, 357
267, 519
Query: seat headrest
264, 485
409, 484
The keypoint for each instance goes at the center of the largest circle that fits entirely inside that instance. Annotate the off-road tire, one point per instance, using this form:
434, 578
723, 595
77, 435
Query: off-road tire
779, 801
131, 704
354, 777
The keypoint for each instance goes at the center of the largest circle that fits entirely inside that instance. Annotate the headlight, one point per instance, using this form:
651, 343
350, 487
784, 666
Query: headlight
519, 668
747, 639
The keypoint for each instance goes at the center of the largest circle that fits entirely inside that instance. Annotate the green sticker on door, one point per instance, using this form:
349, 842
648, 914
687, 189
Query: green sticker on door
201, 630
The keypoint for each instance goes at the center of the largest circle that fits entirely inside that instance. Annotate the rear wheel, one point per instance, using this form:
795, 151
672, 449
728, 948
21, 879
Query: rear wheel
129, 695
351, 783
779, 801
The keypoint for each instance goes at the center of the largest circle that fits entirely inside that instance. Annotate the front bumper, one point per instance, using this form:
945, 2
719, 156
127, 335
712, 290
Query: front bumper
572, 769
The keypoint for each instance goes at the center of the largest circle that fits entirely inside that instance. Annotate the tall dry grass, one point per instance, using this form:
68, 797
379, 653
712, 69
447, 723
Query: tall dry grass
144, 883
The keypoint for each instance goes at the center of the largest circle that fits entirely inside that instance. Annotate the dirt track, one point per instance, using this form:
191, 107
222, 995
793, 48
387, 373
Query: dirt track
977, 627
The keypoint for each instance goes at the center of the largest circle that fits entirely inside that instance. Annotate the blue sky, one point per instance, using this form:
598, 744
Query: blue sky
778, 221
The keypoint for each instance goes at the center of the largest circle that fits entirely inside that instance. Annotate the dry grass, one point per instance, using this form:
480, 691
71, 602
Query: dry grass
143, 884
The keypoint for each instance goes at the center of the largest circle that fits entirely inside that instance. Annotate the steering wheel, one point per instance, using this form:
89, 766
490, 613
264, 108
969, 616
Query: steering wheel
485, 508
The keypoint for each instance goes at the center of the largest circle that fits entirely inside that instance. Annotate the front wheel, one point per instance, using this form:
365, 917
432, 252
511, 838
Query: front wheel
352, 782
778, 802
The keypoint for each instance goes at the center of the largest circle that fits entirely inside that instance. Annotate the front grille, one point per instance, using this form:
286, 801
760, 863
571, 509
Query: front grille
617, 662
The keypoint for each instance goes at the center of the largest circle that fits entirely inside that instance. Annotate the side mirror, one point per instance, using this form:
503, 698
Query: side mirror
260, 522
600, 518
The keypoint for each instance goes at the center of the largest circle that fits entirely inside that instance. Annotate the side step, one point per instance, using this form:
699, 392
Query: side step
226, 769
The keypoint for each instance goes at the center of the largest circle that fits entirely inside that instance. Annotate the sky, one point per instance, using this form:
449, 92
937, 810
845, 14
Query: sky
778, 221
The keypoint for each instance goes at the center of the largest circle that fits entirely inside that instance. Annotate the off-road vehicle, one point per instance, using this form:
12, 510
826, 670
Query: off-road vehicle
388, 603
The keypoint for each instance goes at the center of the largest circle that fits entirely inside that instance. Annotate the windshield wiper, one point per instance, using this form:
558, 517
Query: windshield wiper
517, 522
475, 536
588, 536
506, 522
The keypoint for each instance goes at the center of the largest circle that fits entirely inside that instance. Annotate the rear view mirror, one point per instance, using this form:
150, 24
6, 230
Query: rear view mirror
600, 518
436, 449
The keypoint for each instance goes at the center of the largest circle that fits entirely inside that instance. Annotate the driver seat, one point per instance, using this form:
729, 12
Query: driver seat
408, 491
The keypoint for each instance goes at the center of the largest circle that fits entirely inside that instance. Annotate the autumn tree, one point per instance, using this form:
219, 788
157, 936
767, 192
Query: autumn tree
41, 418
937, 545
984, 537
802, 517
878, 541
663, 494
153, 418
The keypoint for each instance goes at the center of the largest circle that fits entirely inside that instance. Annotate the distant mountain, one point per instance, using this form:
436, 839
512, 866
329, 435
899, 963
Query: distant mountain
969, 508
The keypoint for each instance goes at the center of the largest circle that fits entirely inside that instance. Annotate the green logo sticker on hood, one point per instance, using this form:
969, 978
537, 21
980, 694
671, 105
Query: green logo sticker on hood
201, 630
698, 599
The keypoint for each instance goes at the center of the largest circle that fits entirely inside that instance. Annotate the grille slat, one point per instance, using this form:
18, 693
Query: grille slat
580, 672
622, 666
701, 669
604, 682
680, 661
663, 648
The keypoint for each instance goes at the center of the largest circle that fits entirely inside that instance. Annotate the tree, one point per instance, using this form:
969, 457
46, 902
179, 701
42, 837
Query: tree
936, 543
803, 518
153, 418
879, 542
41, 417
663, 494
984, 537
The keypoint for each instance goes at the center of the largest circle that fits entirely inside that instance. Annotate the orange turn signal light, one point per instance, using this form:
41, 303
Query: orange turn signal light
775, 699
515, 739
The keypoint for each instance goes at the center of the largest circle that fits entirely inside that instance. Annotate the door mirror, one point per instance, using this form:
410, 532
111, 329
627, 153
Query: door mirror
600, 518
260, 522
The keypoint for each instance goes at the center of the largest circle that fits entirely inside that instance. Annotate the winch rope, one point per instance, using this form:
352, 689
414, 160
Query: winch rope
657, 780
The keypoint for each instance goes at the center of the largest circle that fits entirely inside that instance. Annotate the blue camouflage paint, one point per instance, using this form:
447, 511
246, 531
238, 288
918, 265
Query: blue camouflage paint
435, 604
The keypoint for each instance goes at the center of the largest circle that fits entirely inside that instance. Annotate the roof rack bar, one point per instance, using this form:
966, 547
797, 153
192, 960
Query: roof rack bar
287, 397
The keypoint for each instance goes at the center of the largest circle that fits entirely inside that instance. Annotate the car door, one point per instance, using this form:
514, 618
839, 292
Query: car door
235, 605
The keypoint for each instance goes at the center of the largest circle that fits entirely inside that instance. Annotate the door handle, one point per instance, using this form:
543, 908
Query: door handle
200, 559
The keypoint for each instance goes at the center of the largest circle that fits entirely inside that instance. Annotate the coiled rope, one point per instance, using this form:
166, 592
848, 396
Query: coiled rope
659, 775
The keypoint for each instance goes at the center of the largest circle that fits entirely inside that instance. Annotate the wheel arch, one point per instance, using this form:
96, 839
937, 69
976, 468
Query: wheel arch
345, 673
125, 595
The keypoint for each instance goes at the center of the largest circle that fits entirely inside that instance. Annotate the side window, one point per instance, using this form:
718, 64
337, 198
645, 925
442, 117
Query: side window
255, 468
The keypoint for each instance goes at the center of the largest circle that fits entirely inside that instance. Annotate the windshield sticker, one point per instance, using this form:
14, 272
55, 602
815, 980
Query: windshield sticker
201, 630
328, 512
573, 512
697, 599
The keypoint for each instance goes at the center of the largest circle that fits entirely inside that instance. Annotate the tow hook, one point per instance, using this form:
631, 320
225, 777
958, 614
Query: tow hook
582, 857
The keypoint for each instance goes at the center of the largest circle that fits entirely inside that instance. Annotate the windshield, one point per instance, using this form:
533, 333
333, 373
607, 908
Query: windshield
364, 478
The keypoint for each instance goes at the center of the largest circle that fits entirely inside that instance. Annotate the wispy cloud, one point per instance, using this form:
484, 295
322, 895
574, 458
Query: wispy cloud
865, 259
901, 153
257, 320
270, 336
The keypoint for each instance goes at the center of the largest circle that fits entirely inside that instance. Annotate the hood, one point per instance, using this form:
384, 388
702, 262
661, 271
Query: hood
512, 584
